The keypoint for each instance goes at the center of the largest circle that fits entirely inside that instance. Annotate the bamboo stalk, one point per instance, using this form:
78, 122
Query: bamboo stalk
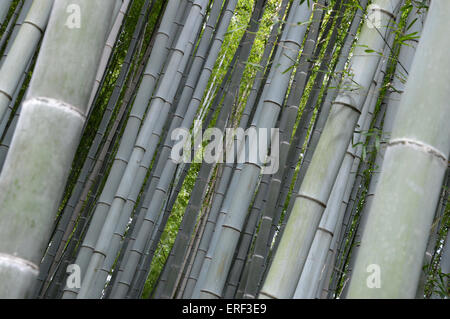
24, 46
311, 200
53, 102
415, 163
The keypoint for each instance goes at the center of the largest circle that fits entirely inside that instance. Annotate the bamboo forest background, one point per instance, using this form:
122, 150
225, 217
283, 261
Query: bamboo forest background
92, 206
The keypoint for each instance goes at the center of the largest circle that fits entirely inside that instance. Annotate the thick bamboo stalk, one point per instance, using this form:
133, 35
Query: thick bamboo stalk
93, 163
433, 240
392, 247
324, 110
52, 101
415, 22
311, 200
315, 262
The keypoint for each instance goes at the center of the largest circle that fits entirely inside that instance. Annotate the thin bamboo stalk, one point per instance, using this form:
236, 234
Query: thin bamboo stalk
146, 87
266, 117
22, 50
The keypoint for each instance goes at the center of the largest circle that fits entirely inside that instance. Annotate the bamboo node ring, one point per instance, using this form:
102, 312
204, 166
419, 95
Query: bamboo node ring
420, 145
22, 264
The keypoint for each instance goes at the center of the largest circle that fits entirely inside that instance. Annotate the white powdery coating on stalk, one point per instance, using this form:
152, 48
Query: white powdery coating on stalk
19, 263
55, 103
420, 146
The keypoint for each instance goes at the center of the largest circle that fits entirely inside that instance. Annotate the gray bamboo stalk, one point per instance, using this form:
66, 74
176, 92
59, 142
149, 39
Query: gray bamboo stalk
221, 203
193, 252
220, 194
315, 262
190, 215
149, 193
132, 199
310, 202
145, 143
286, 126
146, 87
107, 51
243, 193
339, 198
170, 165
203, 259
10, 27
144, 266
415, 161
4, 8
22, 50
186, 95
260, 200
301, 134
235, 276
405, 59
8, 134
92, 164
330, 95
52, 101
23, 13
206, 169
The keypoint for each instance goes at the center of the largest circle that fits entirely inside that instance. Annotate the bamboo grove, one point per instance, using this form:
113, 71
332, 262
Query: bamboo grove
102, 196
